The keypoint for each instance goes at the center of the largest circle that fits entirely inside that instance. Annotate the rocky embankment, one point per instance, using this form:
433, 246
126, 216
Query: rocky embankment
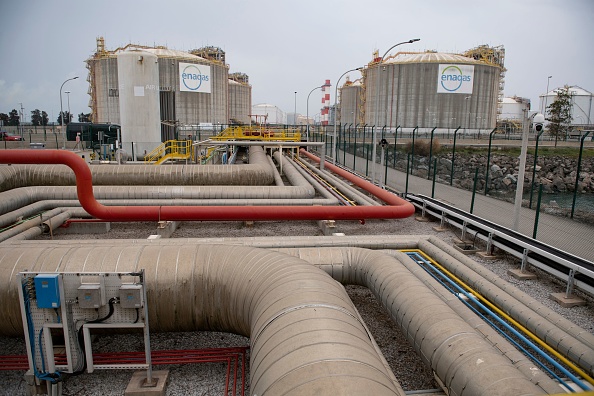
557, 174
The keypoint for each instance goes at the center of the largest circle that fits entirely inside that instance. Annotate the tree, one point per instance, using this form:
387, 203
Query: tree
67, 118
559, 115
82, 117
13, 118
39, 118
4, 118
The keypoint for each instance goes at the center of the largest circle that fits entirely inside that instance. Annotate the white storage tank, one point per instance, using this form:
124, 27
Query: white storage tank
138, 75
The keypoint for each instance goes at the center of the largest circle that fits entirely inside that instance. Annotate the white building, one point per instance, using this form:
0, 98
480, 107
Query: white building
582, 110
275, 115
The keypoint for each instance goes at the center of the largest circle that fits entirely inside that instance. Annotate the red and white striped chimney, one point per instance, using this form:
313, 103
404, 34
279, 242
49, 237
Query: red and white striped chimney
324, 115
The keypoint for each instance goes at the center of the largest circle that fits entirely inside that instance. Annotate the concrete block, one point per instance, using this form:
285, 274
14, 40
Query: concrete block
487, 256
150, 237
139, 387
567, 302
422, 219
439, 229
518, 274
465, 248
92, 227
166, 228
328, 227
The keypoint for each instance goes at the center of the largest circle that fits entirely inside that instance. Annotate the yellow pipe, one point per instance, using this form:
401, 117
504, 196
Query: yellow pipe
524, 330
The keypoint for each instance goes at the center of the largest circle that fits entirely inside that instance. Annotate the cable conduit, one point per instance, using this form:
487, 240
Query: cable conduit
568, 339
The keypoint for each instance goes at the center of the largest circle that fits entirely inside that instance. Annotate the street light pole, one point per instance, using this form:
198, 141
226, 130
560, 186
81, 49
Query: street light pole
295, 113
62, 110
68, 96
307, 114
336, 112
377, 98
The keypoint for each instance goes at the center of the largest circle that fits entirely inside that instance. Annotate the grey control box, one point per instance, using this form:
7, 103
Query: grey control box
131, 296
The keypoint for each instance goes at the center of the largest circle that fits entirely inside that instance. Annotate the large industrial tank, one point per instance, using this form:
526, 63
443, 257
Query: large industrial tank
352, 102
432, 89
240, 98
192, 86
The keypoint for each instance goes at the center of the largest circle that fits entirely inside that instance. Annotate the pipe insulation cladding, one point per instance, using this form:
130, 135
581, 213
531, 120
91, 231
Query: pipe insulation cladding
398, 208
257, 173
305, 334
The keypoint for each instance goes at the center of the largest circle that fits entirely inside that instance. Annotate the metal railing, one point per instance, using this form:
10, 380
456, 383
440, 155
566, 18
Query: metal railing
170, 150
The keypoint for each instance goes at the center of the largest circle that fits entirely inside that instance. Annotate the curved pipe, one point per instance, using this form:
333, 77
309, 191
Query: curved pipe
460, 357
398, 208
306, 336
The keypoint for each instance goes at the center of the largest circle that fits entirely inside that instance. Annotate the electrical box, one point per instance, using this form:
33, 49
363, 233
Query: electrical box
131, 296
90, 295
47, 291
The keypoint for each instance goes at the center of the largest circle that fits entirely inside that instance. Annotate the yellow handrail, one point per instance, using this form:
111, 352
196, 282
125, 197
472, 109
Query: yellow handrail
258, 133
171, 150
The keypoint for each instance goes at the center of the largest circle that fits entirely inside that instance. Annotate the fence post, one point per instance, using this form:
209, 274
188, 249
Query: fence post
473, 190
454, 157
488, 161
537, 215
434, 175
579, 168
355, 152
413, 148
407, 167
385, 167
431, 152
395, 145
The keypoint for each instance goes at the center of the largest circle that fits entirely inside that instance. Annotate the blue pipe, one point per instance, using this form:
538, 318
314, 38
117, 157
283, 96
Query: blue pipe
504, 324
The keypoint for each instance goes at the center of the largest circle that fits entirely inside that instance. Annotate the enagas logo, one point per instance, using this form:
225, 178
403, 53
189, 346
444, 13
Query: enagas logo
192, 77
455, 78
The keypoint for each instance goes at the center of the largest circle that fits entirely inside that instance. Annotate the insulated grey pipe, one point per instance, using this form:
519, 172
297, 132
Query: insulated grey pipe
518, 359
323, 191
25, 225
48, 225
19, 197
257, 172
306, 337
347, 190
464, 362
278, 180
569, 339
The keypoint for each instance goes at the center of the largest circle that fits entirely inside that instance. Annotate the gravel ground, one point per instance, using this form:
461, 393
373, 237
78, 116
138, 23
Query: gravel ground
208, 379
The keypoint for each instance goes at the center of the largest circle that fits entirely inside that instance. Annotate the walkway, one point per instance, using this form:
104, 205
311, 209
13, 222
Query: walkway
571, 236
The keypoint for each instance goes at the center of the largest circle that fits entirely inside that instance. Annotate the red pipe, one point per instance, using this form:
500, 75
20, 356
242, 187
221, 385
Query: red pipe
397, 207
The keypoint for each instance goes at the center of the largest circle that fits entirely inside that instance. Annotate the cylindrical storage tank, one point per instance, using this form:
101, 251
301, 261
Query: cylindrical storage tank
138, 73
582, 110
513, 108
351, 102
105, 101
194, 90
240, 101
432, 89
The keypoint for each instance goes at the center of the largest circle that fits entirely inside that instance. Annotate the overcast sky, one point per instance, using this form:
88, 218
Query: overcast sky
288, 46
